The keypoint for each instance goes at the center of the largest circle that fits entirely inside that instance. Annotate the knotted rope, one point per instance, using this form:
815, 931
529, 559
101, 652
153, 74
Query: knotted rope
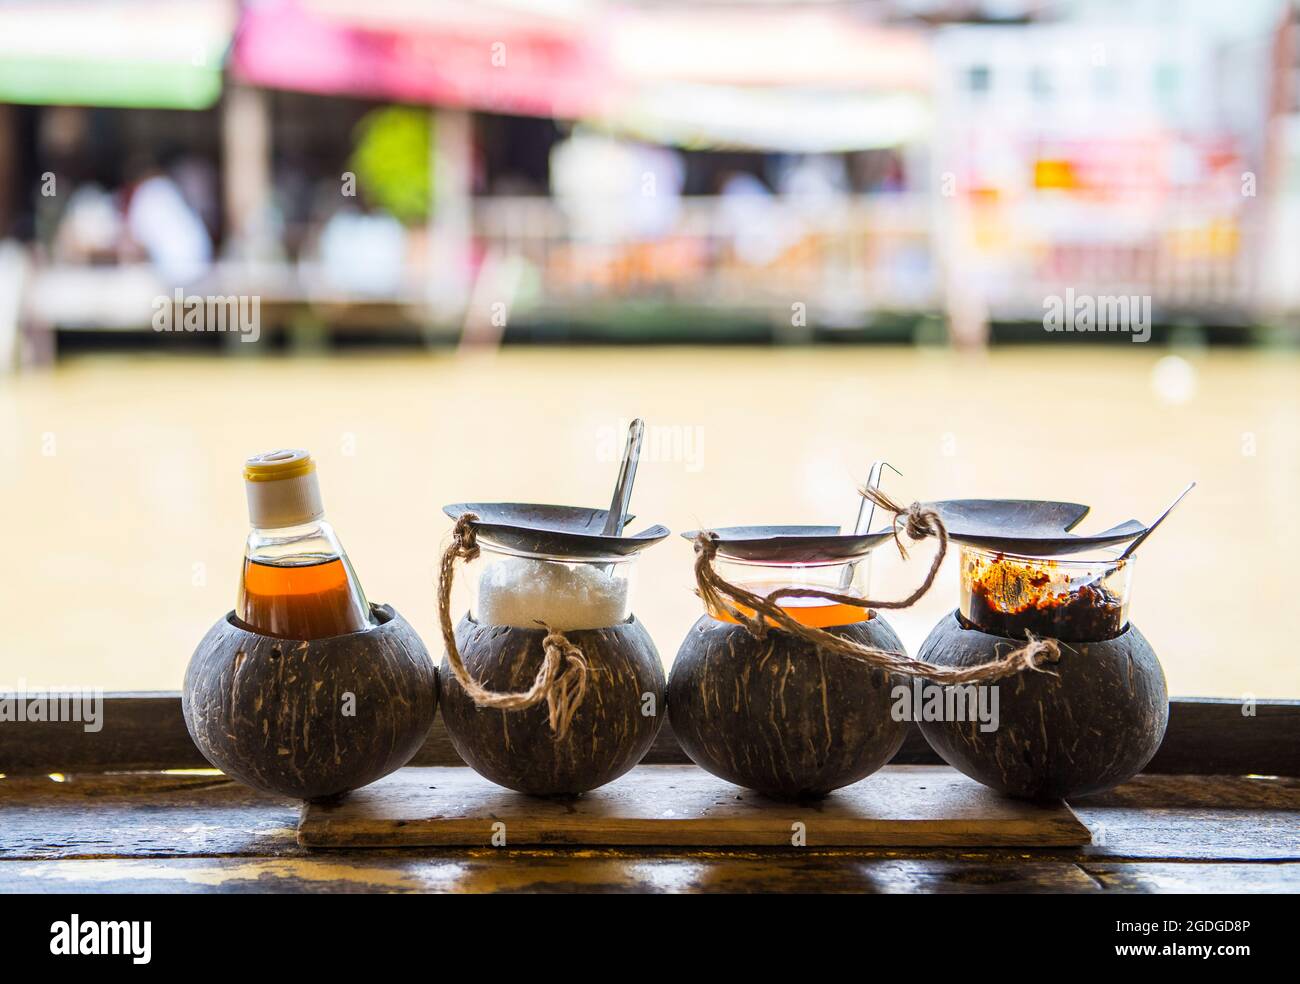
561, 680
917, 521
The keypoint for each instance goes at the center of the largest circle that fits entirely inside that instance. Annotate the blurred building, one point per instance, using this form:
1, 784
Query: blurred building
463, 169
1112, 161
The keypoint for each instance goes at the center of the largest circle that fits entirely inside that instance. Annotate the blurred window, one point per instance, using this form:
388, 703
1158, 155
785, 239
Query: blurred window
1104, 83
1040, 83
979, 79
1168, 81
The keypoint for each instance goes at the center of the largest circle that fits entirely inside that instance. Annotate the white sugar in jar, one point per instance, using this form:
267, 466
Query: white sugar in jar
527, 592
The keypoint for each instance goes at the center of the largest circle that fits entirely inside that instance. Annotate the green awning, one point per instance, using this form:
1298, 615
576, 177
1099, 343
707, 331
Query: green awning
136, 53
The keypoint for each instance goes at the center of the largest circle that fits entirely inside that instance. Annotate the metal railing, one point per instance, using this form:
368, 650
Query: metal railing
838, 263
855, 255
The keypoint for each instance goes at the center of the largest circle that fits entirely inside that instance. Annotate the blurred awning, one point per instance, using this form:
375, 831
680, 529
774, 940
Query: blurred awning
164, 54
802, 120
760, 45
525, 58
785, 78
779, 77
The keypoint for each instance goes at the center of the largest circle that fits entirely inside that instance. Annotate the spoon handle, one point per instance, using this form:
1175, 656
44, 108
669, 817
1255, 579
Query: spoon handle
626, 476
1151, 529
866, 513
865, 505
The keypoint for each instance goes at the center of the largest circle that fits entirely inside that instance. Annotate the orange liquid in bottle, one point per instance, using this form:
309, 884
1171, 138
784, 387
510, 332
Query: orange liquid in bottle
309, 601
817, 613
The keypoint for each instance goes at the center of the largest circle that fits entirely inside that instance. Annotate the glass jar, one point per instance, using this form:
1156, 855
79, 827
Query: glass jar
529, 590
1070, 599
849, 577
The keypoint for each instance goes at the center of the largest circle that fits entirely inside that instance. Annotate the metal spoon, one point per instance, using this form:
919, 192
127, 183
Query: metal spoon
617, 517
1152, 528
866, 513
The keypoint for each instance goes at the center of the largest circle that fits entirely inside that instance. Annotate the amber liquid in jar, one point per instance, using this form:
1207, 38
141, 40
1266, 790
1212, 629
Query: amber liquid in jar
816, 613
300, 601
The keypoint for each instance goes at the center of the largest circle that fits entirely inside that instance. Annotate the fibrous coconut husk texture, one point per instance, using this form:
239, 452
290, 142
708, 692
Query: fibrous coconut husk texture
310, 719
609, 732
781, 715
1092, 722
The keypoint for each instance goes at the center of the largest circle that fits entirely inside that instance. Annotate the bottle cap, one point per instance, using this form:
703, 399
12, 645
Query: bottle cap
282, 489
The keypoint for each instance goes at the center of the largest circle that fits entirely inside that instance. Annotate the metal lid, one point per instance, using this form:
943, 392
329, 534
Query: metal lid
793, 544
556, 531
1027, 526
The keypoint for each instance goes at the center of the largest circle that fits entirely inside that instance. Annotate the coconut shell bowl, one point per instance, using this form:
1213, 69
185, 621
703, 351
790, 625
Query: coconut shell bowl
310, 719
546, 580
1096, 715
778, 714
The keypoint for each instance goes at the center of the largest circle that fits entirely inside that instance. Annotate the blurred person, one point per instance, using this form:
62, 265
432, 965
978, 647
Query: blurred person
614, 190
815, 183
196, 179
166, 227
90, 228
363, 253
759, 227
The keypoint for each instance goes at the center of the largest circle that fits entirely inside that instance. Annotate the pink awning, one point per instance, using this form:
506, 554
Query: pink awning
440, 53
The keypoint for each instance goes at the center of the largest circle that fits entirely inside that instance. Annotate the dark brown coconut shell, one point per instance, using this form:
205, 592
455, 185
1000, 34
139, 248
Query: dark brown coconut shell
517, 749
1094, 725
270, 712
779, 715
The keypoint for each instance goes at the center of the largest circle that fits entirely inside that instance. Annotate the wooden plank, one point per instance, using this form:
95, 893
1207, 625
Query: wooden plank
1192, 835
1152, 792
1195, 817
682, 805
1152, 818
1230, 737
147, 731
138, 731
1196, 878
514, 871
140, 816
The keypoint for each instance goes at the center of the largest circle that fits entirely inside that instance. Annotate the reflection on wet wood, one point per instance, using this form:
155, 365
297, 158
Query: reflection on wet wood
570, 871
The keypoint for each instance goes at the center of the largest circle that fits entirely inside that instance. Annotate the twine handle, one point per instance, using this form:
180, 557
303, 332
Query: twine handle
561, 680
918, 521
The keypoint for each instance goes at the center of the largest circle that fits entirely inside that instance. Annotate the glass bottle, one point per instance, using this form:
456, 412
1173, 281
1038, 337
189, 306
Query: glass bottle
296, 582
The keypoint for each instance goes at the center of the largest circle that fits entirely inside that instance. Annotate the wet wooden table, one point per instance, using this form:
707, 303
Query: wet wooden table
118, 822
159, 832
